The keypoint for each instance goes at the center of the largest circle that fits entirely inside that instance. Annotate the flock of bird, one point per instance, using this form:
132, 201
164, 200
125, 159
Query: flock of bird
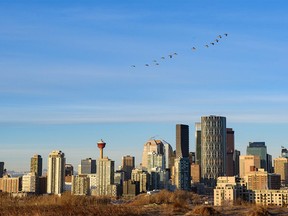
156, 63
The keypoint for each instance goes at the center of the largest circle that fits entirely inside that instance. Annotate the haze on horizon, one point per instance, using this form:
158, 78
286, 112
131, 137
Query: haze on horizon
67, 80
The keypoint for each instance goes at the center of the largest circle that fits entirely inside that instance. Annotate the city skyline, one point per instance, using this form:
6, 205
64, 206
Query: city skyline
67, 80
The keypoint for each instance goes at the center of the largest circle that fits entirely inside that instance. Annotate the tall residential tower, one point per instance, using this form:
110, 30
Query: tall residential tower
213, 148
36, 165
56, 172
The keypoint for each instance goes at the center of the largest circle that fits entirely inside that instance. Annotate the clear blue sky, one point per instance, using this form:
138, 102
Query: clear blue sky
67, 81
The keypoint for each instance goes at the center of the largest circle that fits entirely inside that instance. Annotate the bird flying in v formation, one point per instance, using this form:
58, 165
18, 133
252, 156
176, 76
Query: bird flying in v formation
194, 48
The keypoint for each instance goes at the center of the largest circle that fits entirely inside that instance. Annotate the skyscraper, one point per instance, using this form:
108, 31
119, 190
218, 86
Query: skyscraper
269, 163
88, 166
36, 165
236, 165
69, 170
1, 169
182, 177
169, 155
258, 148
182, 141
56, 172
213, 148
230, 147
128, 164
198, 142
284, 152
151, 146
105, 176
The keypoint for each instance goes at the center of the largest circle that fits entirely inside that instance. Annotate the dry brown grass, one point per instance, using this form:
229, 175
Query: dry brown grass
64, 205
164, 203
172, 203
166, 197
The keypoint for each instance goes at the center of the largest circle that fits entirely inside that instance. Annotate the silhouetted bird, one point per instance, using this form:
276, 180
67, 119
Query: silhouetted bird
133, 66
175, 53
219, 36
226, 34
212, 44
157, 64
206, 46
217, 40
147, 65
170, 56
193, 48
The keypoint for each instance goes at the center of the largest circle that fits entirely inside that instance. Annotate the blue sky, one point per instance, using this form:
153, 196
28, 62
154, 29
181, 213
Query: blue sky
67, 81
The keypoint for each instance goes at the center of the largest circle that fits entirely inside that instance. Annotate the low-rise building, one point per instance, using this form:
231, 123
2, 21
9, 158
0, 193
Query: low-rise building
269, 197
10, 184
228, 190
262, 180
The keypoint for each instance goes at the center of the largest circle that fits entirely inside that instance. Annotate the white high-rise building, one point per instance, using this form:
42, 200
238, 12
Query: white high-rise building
93, 184
155, 160
169, 155
56, 172
29, 182
105, 176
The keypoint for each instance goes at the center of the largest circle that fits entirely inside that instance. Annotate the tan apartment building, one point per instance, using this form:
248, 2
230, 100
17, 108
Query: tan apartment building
281, 167
248, 163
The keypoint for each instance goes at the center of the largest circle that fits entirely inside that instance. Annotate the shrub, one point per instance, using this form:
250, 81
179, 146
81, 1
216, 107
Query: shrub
259, 211
203, 211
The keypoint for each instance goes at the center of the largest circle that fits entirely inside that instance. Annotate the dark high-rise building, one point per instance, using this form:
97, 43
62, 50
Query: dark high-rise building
230, 147
236, 163
284, 152
69, 170
198, 142
128, 164
182, 141
182, 177
192, 157
36, 165
260, 149
88, 166
1, 169
269, 163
